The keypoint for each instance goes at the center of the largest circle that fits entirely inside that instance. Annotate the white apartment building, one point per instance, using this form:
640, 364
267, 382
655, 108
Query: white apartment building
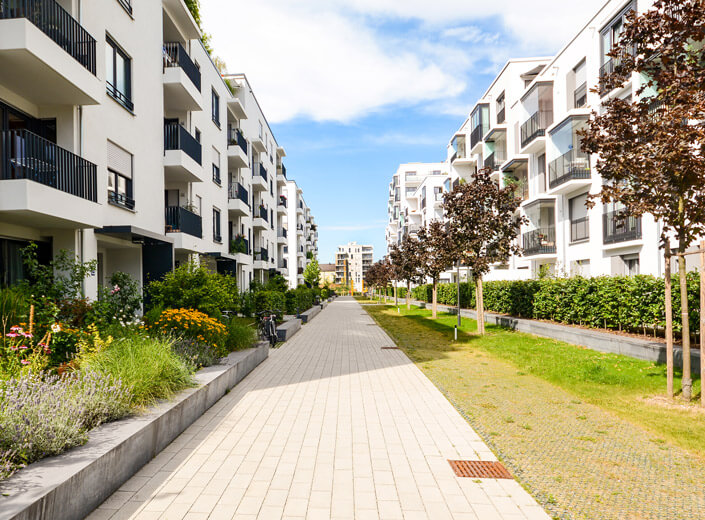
415, 198
525, 129
352, 262
299, 243
121, 142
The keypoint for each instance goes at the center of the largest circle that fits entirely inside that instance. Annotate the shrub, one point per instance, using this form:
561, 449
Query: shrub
242, 333
190, 323
146, 365
43, 415
120, 302
270, 301
193, 287
195, 353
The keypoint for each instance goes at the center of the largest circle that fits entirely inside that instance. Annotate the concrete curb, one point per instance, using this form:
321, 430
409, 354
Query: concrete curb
310, 314
286, 330
73, 484
593, 339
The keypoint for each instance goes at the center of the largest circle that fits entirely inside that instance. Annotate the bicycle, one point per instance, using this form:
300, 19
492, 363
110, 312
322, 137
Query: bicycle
267, 326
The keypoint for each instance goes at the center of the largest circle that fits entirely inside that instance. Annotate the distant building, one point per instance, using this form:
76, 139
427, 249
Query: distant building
352, 262
327, 273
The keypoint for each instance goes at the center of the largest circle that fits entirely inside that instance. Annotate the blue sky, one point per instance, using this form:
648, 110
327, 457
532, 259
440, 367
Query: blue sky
353, 88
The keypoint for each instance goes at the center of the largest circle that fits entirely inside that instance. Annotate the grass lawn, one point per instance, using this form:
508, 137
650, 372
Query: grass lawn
582, 430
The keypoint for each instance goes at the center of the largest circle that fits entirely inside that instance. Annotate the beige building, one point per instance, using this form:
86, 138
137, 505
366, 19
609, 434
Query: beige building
352, 262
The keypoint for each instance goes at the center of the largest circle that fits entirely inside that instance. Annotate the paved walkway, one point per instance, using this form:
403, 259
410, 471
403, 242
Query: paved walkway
330, 426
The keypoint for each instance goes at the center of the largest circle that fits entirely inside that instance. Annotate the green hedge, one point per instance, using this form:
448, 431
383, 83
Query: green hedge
630, 303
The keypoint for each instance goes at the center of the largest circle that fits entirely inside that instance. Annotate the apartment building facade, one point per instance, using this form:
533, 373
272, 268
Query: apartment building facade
352, 261
525, 129
122, 143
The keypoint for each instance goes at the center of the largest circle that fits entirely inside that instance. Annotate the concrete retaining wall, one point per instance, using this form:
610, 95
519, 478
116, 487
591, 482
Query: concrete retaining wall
286, 330
72, 485
310, 314
593, 339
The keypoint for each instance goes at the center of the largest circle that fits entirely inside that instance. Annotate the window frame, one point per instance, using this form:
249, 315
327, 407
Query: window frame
124, 99
127, 201
215, 107
217, 236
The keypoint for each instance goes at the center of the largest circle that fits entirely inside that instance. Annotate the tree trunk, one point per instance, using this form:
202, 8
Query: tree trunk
396, 298
702, 321
669, 320
687, 381
408, 294
435, 300
480, 304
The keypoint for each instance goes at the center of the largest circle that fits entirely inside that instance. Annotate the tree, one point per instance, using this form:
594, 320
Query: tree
394, 261
483, 227
406, 259
652, 148
312, 273
437, 255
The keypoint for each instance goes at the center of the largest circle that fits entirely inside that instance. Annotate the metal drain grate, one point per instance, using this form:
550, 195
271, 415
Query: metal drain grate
389, 348
479, 469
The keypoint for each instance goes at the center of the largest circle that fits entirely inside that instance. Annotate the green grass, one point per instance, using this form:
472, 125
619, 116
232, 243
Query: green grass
618, 384
147, 365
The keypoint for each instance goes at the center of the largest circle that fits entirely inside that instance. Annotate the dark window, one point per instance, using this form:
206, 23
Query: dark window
198, 135
501, 115
127, 5
118, 74
215, 108
216, 174
216, 225
120, 169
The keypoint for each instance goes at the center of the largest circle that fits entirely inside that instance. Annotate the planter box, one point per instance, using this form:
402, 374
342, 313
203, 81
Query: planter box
286, 330
73, 484
310, 314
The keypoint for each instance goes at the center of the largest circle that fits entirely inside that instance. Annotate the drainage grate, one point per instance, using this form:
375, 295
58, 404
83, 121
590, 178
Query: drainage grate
390, 348
479, 469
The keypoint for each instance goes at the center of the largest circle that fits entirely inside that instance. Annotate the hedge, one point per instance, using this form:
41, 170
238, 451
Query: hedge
629, 303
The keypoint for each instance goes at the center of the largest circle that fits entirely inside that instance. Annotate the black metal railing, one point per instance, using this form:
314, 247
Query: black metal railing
476, 135
283, 264
618, 226
579, 229
540, 241
238, 191
239, 244
263, 213
501, 117
121, 199
217, 237
176, 137
535, 126
572, 165
181, 220
284, 171
580, 96
236, 138
261, 171
282, 233
127, 5
176, 56
495, 160
119, 96
262, 254
24, 155
54, 21
282, 201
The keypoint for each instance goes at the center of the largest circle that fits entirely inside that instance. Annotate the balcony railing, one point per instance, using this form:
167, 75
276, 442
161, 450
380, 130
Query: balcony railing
282, 233
535, 126
238, 191
580, 96
283, 170
579, 229
239, 245
570, 166
235, 137
176, 137
181, 220
262, 254
121, 199
262, 172
282, 201
476, 135
24, 155
176, 56
263, 213
283, 264
501, 117
540, 241
54, 21
617, 226
495, 160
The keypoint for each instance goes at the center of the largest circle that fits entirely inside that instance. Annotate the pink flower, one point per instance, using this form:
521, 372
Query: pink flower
27, 335
13, 347
25, 362
23, 347
115, 289
11, 335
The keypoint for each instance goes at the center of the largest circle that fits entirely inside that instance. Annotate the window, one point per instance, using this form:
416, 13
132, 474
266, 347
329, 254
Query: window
215, 107
631, 264
127, 5
609, 36
580, 82
197, 133
216, 225
216, 166
118, 74
579, 221
120, 177
501, 117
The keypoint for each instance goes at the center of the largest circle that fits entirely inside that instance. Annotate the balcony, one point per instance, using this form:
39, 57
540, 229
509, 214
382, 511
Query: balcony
282, 236
261, 258
494, 160
182, 154
182, 79
259, 178
617, 227
181, 220
479, 120
535, 126
540, 241
281, 175
571, 166
258, 144
238, 200
260, 219
237, 149
240, 249
51, 56
45, 184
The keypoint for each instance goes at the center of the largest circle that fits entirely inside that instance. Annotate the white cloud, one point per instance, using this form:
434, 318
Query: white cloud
338, 60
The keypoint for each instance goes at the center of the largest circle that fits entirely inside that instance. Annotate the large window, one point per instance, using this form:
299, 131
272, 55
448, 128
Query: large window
118, 74
580, 82
216, 225
579, 222
120, 177
215, 107
501, 115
